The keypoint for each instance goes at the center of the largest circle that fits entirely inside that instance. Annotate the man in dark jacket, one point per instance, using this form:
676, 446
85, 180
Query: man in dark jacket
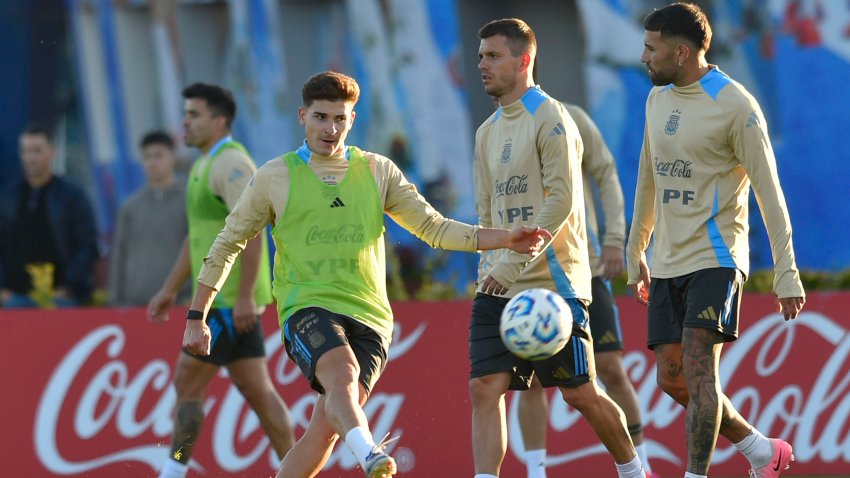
48, 233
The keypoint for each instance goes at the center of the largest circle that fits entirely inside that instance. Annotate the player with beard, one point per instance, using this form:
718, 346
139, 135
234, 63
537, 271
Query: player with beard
705, 144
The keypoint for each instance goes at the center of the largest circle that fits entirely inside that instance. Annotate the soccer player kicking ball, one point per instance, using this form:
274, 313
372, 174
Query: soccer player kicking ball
705, 143
326, 203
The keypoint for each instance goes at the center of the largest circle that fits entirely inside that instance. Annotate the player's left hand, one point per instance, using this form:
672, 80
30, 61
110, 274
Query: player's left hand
244, 314
790, 307
613, 262
492, 287
159, 306
528, 240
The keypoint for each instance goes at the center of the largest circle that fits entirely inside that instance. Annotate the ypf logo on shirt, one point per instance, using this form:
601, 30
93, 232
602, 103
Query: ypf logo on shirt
673, 123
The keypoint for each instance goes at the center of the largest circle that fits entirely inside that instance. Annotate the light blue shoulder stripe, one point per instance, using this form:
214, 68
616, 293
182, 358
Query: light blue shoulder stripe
714, 81
533, 98
304, 152
497, 115
721, 250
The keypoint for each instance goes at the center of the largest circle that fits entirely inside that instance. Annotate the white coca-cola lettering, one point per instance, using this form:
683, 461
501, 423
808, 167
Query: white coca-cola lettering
111, 397
96, 396
86, 423
401, 344
766, 346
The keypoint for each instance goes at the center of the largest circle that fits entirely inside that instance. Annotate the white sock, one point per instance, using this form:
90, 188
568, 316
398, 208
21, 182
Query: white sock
359, 440
693, 475
173, 469
632, 469
485, 475
644, 458
756, 447
535, 463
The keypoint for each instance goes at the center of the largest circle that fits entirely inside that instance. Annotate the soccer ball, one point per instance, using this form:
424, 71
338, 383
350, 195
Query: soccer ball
536, 324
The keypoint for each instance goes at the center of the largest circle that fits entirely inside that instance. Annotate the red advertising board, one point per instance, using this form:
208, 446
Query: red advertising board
87, 392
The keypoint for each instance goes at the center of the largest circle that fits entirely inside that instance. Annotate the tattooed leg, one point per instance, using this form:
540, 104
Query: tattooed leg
700, 362
191, 378
671, 379
187, 426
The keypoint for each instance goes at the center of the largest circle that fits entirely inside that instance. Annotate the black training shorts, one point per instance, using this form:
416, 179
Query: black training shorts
604, 319
488, 355
227, 345
707, 299
310, 332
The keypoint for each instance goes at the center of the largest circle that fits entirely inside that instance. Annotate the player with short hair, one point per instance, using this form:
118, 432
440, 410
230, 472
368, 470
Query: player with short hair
606, 263
705, 143
326, 202
214, 185
532, 145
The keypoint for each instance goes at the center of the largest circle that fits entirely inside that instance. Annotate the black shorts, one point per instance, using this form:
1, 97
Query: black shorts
310, 332
227, 345
604, 318
488, 354
706, 299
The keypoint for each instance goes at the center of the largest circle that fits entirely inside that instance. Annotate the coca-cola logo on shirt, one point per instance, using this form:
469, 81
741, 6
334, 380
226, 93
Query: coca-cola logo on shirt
513, 185
674, 169
346, 233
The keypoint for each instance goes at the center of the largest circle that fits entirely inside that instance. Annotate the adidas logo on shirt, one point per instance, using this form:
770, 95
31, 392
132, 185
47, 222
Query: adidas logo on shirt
337, 202
558, 130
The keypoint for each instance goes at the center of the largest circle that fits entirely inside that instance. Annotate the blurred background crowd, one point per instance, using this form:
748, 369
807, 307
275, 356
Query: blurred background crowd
92, 160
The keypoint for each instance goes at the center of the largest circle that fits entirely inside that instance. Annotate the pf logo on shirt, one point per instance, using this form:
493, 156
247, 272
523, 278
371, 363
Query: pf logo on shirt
672, 123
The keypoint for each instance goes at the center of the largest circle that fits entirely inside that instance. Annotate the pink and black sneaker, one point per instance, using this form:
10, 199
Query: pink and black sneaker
783, 455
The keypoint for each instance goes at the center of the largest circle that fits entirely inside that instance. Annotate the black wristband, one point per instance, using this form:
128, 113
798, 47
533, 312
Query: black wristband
194, 315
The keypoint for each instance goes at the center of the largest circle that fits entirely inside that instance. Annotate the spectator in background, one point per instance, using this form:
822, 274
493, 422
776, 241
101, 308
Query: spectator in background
150, 229
48, 233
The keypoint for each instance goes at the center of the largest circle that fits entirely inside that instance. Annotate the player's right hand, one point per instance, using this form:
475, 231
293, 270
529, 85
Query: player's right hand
197, 337
492, 287
640, 289
159, 306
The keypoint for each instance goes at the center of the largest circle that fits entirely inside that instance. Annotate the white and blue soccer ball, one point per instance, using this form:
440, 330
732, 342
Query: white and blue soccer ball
536, 324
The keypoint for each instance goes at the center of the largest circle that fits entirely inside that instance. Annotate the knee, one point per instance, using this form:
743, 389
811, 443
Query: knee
253, 390
674, 387
344, 379
610, 370
486, 391
581, 397
188, 389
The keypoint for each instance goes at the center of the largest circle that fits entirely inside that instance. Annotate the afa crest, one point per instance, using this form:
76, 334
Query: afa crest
672, 123
506, 151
